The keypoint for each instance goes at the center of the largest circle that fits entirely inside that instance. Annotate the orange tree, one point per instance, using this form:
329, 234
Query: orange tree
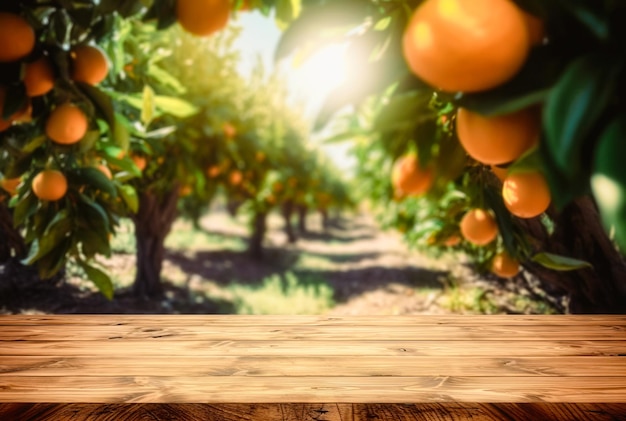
66, 146
513, 114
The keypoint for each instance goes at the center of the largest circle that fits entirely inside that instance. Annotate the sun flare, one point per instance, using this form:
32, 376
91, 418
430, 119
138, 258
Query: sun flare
316, 75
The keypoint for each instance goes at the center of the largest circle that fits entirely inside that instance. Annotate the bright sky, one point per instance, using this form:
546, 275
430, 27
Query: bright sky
310, 82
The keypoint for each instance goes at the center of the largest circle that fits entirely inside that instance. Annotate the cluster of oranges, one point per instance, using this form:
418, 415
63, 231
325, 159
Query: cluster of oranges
67, 123
472, 46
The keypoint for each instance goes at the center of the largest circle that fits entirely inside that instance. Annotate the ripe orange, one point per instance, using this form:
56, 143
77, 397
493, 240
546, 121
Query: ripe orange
185, 190
500, 139
408, 178
235, 177
49, 185
230, 131
17, 37
479, 227
10, 185
39, 77
466, 45
140, 161
213, 171
452, 241
202, 17
89, 64
526, 194
67, 124
504, 265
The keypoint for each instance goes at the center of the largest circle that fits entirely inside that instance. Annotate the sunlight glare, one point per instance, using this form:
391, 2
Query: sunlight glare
320, 73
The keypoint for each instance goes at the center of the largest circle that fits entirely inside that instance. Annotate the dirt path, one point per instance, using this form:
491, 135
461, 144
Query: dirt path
367, 271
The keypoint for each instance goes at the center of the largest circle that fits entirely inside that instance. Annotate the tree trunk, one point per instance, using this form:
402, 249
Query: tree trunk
259, 227
11, 242
152, 224
579, 234
287, 209
302, 211
325, 218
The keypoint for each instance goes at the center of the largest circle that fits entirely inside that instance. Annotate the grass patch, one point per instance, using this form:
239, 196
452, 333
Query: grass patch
283, 294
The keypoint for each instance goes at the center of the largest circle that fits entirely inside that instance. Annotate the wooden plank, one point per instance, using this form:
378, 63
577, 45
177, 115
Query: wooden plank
117, 348
346, 366
301, 333
152, 389
316, 412
275, 320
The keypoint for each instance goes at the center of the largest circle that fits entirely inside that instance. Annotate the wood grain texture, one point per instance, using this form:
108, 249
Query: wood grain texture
310, 359
314, 412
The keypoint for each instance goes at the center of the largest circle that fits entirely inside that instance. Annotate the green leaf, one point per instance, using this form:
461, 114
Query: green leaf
147, 110
102, 102
561, 263
100, 279
95, 178
121, 136
575, 106
55, 232
129, 195
92, 244
608, 181
404, 112
165, 79
25, 208
175, 106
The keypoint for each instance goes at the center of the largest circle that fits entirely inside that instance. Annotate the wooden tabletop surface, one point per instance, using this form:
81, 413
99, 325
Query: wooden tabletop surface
229, 359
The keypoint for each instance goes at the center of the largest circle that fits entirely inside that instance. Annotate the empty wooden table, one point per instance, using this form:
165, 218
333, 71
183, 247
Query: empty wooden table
227, 367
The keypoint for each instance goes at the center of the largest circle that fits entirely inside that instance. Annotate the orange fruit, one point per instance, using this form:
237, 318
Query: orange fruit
185, 191
10, 185
479, 227
466, 45
504, 265
17, 37
49, 185
260, 156
39, 77
213, 171
500, 139
230, 131
408, 178
235, 178
526, 194
277, 187
202, 17
140, 161
452, 241
67, 124
89, 64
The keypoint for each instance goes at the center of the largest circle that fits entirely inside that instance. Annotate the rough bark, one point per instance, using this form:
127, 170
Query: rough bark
287, 211
153, 223
259, 227
302, 212
325, 219
579, 234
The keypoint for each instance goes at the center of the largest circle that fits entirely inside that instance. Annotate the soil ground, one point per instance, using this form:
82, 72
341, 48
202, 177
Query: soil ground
361, 270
